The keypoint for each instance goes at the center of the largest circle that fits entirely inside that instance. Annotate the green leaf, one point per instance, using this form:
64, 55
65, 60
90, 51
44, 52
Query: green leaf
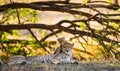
114, 25
110, 1
82, 26
44, 44
84, 1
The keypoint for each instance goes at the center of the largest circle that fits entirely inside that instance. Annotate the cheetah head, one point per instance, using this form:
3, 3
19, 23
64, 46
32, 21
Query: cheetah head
67, 48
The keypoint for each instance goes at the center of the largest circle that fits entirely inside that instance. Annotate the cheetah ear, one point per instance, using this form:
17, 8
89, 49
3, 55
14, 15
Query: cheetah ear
61, 39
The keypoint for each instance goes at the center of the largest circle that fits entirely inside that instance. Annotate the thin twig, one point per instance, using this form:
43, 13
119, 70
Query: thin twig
79, 40
17, 12
37, 40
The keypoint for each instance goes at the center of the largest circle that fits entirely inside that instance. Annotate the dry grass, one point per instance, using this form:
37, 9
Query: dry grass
83, 66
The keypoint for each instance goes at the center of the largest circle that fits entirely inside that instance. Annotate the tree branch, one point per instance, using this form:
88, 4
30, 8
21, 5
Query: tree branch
48, 27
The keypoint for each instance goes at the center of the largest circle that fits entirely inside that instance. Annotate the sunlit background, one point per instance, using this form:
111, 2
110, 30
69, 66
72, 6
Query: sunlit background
21, 42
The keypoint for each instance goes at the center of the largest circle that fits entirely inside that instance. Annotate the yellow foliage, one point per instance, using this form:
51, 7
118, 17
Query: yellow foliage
40, 51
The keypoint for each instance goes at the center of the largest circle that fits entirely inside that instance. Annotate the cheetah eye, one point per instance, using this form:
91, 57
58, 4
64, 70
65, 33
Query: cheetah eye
66, 50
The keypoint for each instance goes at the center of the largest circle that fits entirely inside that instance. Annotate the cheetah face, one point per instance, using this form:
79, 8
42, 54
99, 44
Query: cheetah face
67, 48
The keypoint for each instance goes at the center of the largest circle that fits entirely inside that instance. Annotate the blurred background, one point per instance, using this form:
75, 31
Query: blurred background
86, 48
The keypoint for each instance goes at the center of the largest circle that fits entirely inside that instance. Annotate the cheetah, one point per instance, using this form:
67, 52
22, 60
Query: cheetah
39, 59
16, 59
64, 47
61, 42
65, 54
62, 54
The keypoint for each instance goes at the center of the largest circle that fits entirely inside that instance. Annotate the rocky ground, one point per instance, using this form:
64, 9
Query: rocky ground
82, 66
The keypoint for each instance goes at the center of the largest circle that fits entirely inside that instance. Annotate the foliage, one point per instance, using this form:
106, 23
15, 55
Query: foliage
94, 40
25, 15
16, 48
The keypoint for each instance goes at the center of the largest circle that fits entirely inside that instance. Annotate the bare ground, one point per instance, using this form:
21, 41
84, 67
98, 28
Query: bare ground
82, 66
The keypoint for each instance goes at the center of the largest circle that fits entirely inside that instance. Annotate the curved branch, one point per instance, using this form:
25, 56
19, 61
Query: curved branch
48, 27
67, 9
